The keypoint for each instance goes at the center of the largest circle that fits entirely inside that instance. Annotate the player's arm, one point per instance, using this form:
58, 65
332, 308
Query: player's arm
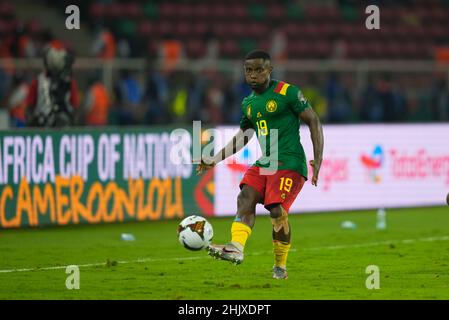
236, 144
316, 133
240, 140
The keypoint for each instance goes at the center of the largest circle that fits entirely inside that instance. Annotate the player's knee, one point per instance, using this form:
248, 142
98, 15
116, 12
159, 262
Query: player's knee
246, 202
276, 211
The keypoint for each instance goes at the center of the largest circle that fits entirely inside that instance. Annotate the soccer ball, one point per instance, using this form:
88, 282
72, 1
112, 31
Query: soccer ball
195, 233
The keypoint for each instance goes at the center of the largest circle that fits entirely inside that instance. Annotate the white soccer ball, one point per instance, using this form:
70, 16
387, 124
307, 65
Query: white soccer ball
195, 233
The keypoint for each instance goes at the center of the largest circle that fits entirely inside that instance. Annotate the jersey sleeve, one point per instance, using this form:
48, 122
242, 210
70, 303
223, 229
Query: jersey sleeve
245, 123
297, 102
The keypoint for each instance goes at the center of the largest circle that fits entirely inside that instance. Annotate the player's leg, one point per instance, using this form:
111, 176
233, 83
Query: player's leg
246, 215
252, 188
282, 190
241, 227
281, 240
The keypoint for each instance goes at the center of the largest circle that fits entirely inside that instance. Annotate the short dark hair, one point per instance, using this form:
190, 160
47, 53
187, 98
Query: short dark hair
258, 54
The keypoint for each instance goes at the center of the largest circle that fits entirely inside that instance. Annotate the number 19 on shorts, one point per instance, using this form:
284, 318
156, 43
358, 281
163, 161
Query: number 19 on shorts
286, 184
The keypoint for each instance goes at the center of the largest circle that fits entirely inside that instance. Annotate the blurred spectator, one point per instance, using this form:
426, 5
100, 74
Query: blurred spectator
392, 101
440, 100
214, 105
228, 102
7, 42
212, 49
419, 105
96, 105
371, 109
5, 79
123, 48
197, 89
441, 51
239, 90
339, 100
312, 92
129, 98
53, 96
340, 49
156, 97
179, 104
104, 46
171, 52
23, 46
17, 101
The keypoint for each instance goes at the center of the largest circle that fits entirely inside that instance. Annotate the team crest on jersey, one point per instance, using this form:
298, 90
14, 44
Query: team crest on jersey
271, 106
259, 115
248, 112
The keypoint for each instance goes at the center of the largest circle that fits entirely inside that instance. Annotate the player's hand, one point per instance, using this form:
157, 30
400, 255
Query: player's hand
204, 166
316, 170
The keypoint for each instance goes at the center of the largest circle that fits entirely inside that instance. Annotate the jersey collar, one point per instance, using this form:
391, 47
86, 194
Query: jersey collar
270, 86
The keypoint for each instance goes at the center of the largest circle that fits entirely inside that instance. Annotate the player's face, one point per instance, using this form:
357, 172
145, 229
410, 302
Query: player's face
257, 72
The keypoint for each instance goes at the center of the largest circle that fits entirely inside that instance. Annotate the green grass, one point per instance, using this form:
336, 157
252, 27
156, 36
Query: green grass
327, 262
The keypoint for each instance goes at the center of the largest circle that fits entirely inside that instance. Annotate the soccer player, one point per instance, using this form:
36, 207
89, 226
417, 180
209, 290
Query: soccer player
273, 110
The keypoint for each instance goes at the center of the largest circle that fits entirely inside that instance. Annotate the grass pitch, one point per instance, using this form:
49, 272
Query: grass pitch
326, 261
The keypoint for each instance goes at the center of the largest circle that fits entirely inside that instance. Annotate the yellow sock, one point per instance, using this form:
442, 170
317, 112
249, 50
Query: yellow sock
240, 233
280, 250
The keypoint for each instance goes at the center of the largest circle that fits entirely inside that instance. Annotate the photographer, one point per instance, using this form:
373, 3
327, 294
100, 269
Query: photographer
53, 96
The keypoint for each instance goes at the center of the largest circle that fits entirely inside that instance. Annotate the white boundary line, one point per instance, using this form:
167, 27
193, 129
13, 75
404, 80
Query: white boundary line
143, 260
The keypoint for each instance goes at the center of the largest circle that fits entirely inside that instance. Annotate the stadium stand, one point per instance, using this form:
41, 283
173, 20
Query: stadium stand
165, 33
408, 31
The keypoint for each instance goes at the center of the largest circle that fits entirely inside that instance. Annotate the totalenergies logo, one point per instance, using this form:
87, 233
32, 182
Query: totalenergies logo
373, 163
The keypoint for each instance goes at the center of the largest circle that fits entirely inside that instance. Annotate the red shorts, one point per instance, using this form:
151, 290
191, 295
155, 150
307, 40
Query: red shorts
282, 187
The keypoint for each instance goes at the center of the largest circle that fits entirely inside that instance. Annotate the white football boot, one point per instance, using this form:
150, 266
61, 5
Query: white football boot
229, 252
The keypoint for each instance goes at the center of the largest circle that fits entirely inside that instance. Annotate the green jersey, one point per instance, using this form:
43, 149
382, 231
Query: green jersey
276, 111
